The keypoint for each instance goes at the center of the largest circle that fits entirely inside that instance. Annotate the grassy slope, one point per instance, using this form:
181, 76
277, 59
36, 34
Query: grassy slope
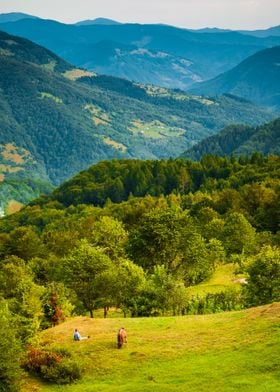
224, 278
221, 352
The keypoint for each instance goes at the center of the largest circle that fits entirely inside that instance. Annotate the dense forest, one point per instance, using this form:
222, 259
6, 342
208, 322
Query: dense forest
239, 140
137, 235
244, 79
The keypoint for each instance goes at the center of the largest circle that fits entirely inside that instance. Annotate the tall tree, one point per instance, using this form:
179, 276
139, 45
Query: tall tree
264, 277
83, 270
156, 239
238, 234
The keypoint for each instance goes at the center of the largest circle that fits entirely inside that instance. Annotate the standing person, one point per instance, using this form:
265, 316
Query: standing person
77, 336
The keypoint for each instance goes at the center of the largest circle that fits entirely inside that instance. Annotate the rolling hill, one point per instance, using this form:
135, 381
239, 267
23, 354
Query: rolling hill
220, 352
257, 78
58, 120
272, 31
157, 54
239, 140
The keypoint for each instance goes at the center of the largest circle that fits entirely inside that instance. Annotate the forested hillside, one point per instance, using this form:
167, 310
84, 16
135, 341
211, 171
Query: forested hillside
239, 140
257, 79
177, 223
58, 120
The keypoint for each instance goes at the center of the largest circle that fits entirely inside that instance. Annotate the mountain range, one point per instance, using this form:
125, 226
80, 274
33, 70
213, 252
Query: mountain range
57, 119
157, 54
257, 79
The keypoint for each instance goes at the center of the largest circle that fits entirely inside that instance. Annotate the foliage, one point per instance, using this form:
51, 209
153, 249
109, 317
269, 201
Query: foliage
156, 239
264, 277
56, 303
146, 255
84, 270
52, 366
23, 295
10, 351
239, 140
238, 234
215, 302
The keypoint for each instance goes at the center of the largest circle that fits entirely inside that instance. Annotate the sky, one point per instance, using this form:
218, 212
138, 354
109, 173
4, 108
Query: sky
232, 14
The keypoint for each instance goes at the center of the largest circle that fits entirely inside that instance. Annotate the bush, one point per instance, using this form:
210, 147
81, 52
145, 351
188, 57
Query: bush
215, 302
63, 372
263, 277
54, 366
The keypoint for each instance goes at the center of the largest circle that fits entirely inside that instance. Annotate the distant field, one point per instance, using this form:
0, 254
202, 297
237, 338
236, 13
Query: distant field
155, 129
234, 351
223, 278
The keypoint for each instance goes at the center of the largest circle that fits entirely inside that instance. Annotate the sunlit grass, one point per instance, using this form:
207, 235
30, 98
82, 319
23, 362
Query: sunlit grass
51, 96
225, 277
222, 352
155, 129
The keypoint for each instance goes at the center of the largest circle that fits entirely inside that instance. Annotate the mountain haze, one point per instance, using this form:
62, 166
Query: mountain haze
157, 54
15, 16
257, 79
99, 21
58, 120
272, 31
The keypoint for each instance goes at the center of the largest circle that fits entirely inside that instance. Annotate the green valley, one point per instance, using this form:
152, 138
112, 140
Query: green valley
66, 118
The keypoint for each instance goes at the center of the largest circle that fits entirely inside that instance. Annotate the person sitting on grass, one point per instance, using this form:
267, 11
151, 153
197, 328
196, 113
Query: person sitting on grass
77, 336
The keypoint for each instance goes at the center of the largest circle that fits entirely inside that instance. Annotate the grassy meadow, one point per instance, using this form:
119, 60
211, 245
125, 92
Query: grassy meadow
218, 352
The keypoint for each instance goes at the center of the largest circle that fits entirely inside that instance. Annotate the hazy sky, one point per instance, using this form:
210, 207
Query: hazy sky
234, 14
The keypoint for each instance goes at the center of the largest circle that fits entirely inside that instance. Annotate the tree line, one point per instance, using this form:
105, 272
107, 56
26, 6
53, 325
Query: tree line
141, 254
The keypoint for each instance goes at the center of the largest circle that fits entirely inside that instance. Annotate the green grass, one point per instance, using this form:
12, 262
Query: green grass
51, 96
222, 352
223, 278
155, 129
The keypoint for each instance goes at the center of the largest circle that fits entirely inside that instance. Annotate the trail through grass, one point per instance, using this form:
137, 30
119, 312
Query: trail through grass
222, 352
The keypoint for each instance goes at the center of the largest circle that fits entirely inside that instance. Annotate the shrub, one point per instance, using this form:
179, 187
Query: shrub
63, 372
263, 277
54, 366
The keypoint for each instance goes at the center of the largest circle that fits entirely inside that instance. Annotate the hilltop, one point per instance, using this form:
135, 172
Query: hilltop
15, 16
239, 140
257, 79
99, 21
219, 352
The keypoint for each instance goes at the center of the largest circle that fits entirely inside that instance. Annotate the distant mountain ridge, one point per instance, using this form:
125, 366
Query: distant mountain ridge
272, 31
257, 78
15, 16
157, 54
98, 21
261, 33
239, 140
58, 120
